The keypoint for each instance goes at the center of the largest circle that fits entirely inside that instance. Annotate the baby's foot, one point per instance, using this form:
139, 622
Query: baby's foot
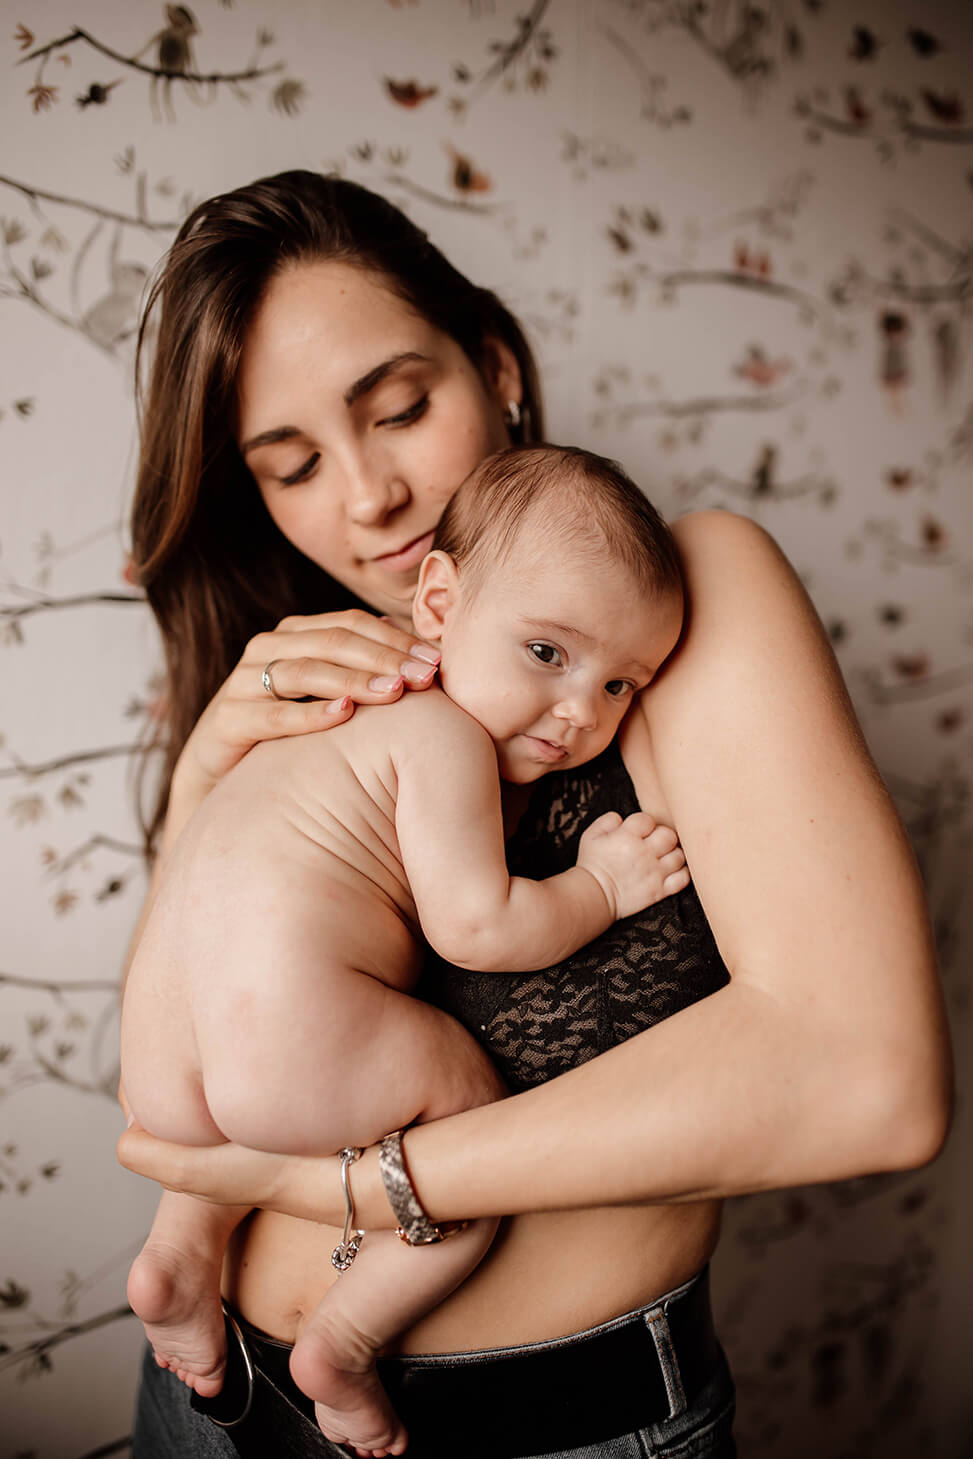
337, 1370
178, 1299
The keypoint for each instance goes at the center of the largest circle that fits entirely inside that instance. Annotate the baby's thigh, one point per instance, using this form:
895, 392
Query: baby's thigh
293, 1040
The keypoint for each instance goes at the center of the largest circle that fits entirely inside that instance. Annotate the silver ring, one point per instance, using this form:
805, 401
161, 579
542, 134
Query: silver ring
268, 682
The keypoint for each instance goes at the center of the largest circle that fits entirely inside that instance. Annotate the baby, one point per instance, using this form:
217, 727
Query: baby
268, 999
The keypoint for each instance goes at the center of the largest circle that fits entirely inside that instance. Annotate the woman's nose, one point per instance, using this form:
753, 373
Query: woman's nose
374, 492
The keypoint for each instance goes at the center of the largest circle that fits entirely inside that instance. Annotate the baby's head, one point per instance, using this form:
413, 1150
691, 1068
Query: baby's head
554, 591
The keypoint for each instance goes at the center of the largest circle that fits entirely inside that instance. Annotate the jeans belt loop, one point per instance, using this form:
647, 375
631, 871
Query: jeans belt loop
657, 1321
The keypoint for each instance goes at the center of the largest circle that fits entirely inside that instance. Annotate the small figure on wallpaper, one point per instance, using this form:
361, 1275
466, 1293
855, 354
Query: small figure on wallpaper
855, 108
97, 94
409, 93
465, 176
894, 366
113, 317
760, 369
762, 479
924, 44
944, 108
865, 44
946, 354
174, 55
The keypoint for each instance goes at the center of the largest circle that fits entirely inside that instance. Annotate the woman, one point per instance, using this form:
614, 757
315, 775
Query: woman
323, 381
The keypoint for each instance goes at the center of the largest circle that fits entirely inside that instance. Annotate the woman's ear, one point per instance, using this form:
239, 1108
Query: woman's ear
502, 372
436, 592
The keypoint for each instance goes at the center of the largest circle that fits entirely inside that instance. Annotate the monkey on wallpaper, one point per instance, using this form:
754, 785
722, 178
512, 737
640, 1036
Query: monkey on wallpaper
112, 318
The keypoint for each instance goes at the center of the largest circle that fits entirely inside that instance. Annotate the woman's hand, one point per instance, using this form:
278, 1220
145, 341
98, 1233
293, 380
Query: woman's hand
322, 667
228, 1174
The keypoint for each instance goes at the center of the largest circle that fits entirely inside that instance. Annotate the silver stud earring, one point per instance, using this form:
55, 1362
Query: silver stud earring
511, 414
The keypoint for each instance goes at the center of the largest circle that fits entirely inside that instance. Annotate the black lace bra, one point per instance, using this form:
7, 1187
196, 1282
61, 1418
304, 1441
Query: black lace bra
642, 970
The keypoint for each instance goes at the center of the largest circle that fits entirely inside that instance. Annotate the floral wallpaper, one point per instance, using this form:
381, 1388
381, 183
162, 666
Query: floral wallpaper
740, 233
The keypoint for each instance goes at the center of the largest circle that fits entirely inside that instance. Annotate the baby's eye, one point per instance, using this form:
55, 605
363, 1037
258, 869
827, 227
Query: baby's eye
617, 687
545, 653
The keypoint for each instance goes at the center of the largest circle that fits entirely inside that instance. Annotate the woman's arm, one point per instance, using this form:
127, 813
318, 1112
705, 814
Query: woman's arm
825, 1057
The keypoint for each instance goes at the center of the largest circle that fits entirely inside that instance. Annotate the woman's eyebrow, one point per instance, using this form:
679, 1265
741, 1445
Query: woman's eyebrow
375, 377
354, 392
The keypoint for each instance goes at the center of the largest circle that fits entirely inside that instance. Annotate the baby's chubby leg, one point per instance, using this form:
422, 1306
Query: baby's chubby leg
389, 1286
174, 1287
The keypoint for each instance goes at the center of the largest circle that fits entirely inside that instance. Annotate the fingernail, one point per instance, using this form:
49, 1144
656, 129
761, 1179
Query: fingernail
383, 682
130, 1122
428, 655
416, 674
337, 706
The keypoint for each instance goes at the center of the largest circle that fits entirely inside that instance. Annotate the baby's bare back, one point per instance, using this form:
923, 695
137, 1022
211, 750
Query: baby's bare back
283, 920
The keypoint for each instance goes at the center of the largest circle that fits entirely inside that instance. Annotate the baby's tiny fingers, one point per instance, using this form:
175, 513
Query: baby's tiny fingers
610, 821
672, 861
640, 823
677, 881
662, 840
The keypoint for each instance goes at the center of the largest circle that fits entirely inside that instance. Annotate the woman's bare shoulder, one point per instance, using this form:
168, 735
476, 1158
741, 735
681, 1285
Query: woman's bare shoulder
749, 620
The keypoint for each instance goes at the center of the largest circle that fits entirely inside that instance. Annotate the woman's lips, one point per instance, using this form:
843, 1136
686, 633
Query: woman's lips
407, 557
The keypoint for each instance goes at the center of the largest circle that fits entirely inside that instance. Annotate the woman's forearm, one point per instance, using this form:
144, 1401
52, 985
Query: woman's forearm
733, 1095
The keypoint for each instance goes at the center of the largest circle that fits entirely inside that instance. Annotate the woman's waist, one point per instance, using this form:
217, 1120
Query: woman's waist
545, 1275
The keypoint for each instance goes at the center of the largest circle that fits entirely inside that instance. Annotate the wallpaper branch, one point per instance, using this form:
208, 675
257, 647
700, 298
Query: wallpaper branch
741, 235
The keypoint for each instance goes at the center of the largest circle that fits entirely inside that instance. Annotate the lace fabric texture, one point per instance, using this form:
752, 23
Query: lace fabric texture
642, 970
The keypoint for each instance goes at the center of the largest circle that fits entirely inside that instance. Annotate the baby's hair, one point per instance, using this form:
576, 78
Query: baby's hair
573, 495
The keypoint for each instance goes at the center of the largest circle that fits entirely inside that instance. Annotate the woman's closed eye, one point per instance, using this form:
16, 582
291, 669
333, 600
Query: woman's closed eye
406, 417
302, 471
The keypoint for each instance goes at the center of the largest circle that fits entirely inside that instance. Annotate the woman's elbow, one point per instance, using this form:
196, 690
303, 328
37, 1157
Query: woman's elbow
914, 1107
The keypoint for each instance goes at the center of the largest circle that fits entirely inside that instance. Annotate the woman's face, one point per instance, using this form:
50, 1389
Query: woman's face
358, 420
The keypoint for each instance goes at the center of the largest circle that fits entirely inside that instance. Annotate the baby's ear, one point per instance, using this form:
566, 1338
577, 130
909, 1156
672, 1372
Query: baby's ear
436, 593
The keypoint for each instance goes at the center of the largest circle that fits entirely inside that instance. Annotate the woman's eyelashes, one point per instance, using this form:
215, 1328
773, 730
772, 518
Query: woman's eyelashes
302, 471
406, 417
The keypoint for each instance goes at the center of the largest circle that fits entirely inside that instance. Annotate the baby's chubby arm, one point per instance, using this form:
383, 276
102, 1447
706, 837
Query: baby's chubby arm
450, 831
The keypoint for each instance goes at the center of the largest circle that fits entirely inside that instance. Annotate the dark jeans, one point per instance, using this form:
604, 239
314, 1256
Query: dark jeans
279, 1423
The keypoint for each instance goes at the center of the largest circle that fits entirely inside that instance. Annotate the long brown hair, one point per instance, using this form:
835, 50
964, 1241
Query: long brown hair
215, 567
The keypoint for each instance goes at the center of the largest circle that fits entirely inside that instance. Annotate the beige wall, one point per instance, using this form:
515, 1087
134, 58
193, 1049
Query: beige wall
743, 252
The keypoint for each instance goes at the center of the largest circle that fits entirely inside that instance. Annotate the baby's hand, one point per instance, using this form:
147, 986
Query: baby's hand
635, 862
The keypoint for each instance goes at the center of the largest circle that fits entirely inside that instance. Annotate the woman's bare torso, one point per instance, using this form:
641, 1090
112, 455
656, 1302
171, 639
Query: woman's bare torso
545, 1275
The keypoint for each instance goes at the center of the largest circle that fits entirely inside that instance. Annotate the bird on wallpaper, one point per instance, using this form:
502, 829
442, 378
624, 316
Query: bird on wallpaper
865, 44
894, 366
759, 369
855, 108
465, 177
174, 54
97, 93
923, 43
409, 93
943, 108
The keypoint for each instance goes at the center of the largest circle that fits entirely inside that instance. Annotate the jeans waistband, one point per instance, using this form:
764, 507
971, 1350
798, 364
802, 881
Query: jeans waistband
641, 1368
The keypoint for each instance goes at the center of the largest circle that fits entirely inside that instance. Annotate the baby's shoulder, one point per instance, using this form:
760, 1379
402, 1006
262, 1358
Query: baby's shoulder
429, 723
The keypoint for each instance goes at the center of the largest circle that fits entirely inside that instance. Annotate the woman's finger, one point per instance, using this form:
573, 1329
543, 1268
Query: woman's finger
325, 632
309, 678
246, 721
